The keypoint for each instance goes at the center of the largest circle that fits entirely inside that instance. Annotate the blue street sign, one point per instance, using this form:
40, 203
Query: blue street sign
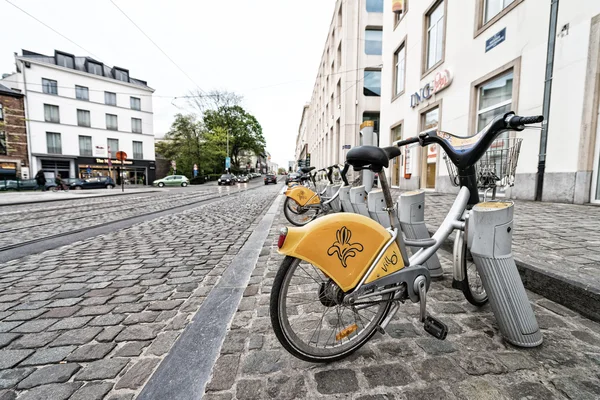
495, 40
195, 173
89, 170
227, 162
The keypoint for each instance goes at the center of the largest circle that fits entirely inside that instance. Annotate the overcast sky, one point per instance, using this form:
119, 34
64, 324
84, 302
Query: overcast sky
266, 50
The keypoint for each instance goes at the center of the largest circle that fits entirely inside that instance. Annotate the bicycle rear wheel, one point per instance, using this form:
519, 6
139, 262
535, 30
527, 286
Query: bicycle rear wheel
297, 215
310, 320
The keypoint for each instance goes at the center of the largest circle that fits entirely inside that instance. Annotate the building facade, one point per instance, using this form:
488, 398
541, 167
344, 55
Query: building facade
347, 89
456, 65
80, 113
14, 160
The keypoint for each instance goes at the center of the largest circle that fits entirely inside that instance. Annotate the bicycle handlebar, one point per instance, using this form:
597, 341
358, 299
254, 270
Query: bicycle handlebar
517, 122
330, 174
408, 141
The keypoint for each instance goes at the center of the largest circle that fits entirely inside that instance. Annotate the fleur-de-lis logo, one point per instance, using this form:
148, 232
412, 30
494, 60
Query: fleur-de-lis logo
301, 195
342, 246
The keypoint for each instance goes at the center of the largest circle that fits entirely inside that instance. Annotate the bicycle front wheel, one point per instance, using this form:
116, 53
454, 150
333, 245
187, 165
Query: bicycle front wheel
297, 215
472, 286
310, 320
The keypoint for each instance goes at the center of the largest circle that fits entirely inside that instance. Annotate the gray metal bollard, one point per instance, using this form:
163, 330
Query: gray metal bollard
411, 212
345, 199
376, 205
329, 193
358, 198
489, 235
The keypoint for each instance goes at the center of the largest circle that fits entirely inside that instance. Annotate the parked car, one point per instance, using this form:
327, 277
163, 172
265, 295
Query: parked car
98, 182
243, 179
26, 184
226, 179
270, 178
172, 180
292, 177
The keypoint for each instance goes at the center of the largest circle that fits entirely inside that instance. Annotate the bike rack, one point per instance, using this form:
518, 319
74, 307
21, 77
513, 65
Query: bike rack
411, 212
376, 206
358, 198
331, 191
489, 232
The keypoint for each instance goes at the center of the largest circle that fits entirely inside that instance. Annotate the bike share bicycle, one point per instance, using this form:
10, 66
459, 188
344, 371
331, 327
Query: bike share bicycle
345, 276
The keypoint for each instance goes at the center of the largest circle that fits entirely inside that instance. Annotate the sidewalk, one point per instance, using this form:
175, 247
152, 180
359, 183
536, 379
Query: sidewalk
30, 197
556, 247
406, 363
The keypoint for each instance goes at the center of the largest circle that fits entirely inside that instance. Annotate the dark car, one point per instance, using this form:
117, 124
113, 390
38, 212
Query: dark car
292, 177
98, 182
226, 179
270, 178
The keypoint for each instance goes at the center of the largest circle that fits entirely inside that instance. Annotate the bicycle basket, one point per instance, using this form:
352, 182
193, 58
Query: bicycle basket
497, 166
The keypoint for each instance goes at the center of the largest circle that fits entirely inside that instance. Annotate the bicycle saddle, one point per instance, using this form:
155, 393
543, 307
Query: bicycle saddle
306, 170
371, 157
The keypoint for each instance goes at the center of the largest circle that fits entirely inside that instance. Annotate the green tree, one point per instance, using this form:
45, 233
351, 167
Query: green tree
245, 133
183, 143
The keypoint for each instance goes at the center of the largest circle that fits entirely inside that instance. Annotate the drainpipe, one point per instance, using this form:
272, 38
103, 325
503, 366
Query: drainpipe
547, 97
28, 126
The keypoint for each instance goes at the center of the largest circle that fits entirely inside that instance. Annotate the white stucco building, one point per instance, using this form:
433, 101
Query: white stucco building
77, 108
484, 58
348, 84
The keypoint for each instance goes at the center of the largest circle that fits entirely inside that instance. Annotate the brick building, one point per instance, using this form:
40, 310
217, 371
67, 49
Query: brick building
13, 135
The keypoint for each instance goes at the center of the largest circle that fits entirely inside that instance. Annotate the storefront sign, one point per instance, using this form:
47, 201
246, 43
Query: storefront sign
100, 151
106, 161
495, 40
346, 147
441, 80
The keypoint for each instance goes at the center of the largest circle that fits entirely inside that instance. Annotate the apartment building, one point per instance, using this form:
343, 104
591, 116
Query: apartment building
456, 65
348, 85
80, 112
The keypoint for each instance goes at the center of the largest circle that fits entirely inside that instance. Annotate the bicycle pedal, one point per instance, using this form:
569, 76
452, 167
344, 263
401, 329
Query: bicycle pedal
435, 328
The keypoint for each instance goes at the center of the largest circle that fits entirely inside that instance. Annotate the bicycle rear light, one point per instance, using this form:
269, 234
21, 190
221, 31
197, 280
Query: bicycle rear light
282, 234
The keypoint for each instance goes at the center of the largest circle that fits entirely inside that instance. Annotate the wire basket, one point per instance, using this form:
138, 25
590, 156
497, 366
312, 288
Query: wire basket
496, 168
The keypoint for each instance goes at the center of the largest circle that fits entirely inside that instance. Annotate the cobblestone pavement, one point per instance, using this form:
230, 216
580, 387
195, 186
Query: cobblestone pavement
563, 239
19, 224
94, 319
407, 363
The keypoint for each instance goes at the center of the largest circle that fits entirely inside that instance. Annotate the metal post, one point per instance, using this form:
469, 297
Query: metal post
122, 180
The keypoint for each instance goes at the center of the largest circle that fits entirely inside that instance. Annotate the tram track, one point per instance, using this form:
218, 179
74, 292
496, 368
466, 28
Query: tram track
17, 250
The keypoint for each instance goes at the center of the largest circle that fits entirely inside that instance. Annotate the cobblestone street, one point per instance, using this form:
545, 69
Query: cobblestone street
406, 363
94, 319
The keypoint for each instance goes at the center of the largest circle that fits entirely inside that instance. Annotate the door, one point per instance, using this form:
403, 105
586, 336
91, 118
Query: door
429, 120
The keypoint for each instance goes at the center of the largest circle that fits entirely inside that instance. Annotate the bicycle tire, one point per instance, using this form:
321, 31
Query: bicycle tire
291, 341
289, 205
465, 259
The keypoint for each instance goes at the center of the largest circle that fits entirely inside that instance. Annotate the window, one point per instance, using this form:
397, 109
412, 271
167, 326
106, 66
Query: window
373, 116
373, 40
111, 122
1, 113
3, 148
435, 35
494, 98
396, 163
110, 98
85, 146
339, 55
138, 151
398, 16
82, 93
430, 120
372, 84
493, 8
53, 142
65, 60
375, 6
113, 147
83, 118
399, 69
136, 103
136, 125
51, 113
49, 86
121, 75
94, 68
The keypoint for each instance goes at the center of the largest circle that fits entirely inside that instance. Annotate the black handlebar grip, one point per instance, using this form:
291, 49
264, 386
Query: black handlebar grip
407, 141
330, 174
520, 121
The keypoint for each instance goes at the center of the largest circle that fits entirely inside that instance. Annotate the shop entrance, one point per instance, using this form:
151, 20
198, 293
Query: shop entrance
429, 120
52, 168
131, 175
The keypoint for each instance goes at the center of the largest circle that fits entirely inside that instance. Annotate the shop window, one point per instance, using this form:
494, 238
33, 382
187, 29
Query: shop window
430, 120
494, 98
372, 83
85, 146
51, 113
54, 143
435, 35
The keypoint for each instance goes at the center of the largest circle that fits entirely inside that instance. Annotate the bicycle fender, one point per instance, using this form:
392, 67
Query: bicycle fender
302, 195
342, 245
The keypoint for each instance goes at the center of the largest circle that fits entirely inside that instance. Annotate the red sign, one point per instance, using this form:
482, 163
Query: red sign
121, 156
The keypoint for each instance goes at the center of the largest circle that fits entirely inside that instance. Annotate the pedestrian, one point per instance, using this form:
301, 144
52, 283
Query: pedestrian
59, 182
40, 179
